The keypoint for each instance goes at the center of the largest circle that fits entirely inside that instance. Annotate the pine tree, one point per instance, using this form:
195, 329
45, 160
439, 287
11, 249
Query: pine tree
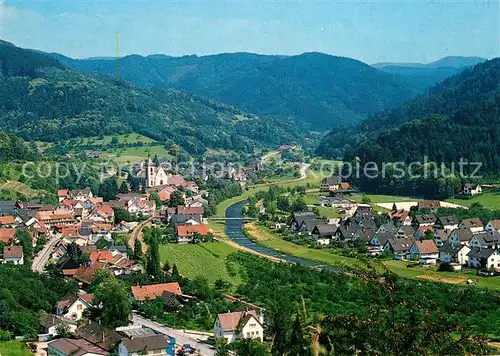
300, 345
176, 276
153, 263
123, 187
138, 255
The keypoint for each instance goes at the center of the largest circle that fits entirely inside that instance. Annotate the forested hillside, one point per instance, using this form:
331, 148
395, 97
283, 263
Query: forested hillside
457, 118
41, 100
319, 90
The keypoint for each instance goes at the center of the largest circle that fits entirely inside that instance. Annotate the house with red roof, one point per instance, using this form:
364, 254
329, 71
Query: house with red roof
239, 325
13, 254
153, 291
425, 251
7, 235
185, 233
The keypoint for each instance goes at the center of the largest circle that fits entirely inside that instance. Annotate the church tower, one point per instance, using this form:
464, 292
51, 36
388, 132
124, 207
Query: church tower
150, 173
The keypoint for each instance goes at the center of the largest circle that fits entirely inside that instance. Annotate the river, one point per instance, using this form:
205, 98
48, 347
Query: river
234, 229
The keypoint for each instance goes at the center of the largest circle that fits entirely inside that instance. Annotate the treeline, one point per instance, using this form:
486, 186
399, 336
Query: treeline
219, 190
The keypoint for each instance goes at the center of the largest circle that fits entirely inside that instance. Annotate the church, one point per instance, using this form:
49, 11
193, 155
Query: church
153, 176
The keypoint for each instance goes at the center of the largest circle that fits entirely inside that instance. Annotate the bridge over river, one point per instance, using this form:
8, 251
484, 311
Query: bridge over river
234, 229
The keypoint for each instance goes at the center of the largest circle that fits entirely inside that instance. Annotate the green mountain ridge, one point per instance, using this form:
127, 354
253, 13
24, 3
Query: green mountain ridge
458, 118
43, 100
317, 90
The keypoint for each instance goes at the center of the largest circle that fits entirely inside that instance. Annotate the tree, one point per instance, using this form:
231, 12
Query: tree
154, 196
26, 242
156, 161
283, 203
222, 347
122, 215
249, 347
176, 276
299, 204
300, 344
138, 254
252, 210
272, 209
108, 188
112, 303
153, 262
100, 277
123, 189
176, 199
114, 141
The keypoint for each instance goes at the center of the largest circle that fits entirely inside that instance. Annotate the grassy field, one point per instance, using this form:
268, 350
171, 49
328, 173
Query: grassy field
269, 239
13, 348
381, 198
328, 212
489, 199
206, 260
135, 154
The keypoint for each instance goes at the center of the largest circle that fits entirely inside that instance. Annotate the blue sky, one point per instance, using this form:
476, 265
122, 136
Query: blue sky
375, 31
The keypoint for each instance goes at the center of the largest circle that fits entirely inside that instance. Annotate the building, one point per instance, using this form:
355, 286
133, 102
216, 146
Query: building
399, 217
424, 220
71, 347
299, 217
99, 335
186, 233
55, 217
431, 205
153, 291
7, 235
426, 251
13, 254
493, 225
239, 325
331, 183
484, 258
472, 189
157, 345
485, 240
72, 307
398, 246
446, 223
460, 236
52, 324
322, 234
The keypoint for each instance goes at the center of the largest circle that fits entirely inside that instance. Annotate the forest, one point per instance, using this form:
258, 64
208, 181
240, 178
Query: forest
458, 118
43, 101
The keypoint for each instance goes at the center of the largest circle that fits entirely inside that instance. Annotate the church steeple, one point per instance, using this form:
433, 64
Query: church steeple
150, 175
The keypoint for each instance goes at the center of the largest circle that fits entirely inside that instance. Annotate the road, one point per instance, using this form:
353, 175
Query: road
137, 234
41, 259
180, 336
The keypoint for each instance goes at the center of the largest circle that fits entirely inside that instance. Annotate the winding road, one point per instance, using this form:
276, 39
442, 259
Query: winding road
41, 259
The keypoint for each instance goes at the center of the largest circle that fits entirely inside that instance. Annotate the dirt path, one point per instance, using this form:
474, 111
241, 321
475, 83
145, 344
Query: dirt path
137, 235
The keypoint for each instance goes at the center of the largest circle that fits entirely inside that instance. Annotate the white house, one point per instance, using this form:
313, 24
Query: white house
52, 324
454, 253
13, 254
74, 306
493, 225
236, 325
484, 258
426, 251
472, 189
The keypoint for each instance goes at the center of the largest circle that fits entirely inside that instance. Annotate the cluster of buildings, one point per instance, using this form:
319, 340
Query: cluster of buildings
92, 338
422, 236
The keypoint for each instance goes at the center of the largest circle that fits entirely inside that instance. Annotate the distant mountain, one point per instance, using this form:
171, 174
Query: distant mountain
319, 90
459, 118
43, 100
424, 76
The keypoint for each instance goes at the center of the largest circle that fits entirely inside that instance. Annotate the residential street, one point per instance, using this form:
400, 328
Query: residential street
180, 336
41, 259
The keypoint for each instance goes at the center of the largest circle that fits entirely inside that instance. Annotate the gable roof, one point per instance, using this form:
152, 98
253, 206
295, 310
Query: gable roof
332, 180
99, 335
7, 220
153, 291
49, 320
400, 244
427, 246
425, 219
230, 321
182, 210
189, 230
84, 273
495, 224
13, 251
76, 347
96, 256
477, 252
7, 234
429, 204
464, 235
324, 229
448, 220
472, 223
147, 343
450, 248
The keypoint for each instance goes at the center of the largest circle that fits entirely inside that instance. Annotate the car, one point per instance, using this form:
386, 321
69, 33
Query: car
485, 273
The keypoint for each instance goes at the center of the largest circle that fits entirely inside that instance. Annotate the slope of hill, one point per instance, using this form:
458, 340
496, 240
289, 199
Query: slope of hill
424, 76
42, 100
459, 118
318, 90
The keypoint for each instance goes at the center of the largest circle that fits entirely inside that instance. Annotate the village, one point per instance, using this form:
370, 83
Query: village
83, 236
